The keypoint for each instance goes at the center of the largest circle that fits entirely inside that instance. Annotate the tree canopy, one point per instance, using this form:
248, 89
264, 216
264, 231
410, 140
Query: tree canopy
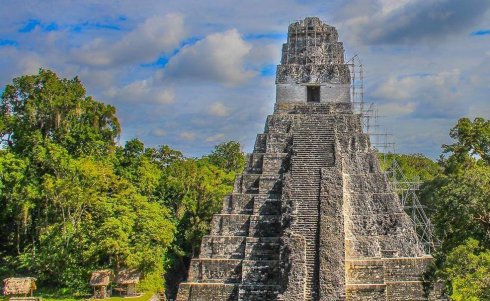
73, 201
43, 107
459, 203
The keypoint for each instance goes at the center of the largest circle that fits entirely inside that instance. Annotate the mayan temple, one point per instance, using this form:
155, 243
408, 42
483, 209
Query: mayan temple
312, 217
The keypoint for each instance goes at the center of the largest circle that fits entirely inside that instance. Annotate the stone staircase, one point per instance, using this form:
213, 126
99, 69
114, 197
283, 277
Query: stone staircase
313, 149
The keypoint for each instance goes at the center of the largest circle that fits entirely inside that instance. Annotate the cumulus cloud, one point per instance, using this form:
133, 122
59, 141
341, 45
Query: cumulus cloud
219, 109
153, 37
117, 66
219, 57
216, 138
396, 109
405, 87
187, 135
158, 132
409, 21
142, 91
427, 95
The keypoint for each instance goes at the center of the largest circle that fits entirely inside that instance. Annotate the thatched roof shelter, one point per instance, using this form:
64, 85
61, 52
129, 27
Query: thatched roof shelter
125, 277
101, 278
19, 286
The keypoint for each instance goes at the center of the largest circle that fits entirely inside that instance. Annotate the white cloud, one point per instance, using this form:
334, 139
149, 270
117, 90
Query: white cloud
30, 63
396, 109
216, 138
219, 57
410, 21
109, 62
165, 96
158, 132
219, 109
157, 35
264, 53
187, 135
389, 6
411, 86
429, 95
142, 91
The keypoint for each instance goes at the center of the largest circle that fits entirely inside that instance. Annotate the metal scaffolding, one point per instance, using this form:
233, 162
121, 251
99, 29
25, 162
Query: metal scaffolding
407, 189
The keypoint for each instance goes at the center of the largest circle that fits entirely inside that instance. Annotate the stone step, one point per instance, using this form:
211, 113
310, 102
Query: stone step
223, 247
262, 248
207, 291
261, 272
215, 270
258, 292
230, 224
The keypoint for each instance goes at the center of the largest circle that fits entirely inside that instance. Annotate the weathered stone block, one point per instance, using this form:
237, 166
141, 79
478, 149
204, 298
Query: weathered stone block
267, 205
254, 163
362, 246
366, 292
373, 183
373, 203
404, 244
265, 225
361, 162
378, 224
260, 143
230, 225
278, 142
215, 270
365, 271
274, 163
259, 292
238, 203
266, 272
405, 291
247, 183
262, 248
207, 292
277, 124
270, 184
223, 247
405, 269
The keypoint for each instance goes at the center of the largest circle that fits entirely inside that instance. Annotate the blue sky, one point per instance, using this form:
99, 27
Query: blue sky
192, 74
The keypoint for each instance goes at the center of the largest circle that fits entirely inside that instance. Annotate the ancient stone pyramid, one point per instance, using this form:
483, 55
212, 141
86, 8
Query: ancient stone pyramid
312, 217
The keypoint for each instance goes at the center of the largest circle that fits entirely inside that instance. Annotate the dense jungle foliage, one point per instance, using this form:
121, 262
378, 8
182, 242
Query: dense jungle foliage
72, 200
456, 194
458, 200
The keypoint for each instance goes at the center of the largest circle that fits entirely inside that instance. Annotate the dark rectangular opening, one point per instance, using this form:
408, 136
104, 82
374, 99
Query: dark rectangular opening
313, 93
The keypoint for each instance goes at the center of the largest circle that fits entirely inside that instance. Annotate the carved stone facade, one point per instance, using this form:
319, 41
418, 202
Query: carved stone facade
312, 217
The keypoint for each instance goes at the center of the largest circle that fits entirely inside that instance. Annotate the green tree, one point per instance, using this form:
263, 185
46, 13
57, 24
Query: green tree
194, 190
467, 268
228, 156
458, 200
415, 167
69, 203
472, 140
72, 201
39, 107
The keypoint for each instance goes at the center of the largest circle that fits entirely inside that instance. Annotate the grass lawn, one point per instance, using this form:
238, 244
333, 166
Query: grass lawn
144, 297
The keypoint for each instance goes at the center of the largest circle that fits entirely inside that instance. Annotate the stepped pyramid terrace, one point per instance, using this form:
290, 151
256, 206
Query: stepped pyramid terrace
312, 217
